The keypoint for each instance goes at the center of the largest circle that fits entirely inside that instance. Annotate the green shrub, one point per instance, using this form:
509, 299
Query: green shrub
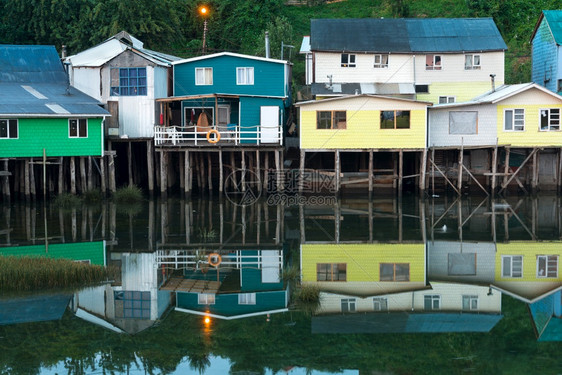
128, 194
67, 200
92, 196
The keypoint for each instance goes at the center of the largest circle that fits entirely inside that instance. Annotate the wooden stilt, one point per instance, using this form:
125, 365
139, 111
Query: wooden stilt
258, 170
72, 175
423, 170
6, 182
535, 179
22, 178
186, 174
210, 168
130, 162
371, 182
514, 174
266, 172
400, 171
150, 166
243, 178
461, 161
559, 175
163, 175
221, 172
32, 187
191, 164
233, 169
182, 171
506, 166
111, 170
337, 164
61, 176
494, 168
432, 171
90, 174
279, 171
102, 176
82, 174
201, 172
301, 169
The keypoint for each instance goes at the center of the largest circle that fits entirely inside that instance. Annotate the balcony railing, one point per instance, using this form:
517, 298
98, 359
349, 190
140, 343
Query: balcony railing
229, 135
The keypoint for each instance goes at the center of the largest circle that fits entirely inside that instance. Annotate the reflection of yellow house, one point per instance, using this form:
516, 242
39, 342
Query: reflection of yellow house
528, 270
363, 122
364, 269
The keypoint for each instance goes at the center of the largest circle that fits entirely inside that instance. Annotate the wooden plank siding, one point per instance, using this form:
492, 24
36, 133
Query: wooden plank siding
544, 56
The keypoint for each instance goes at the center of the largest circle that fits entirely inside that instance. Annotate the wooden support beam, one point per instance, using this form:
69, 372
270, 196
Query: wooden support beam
243, 177
45, 180
90, 176
475, 180
181, 158
221, 173
163, 175
209, 168
559, 174
130, 162
6, 182
102, 176
301, 170
423, 169
506, 166
444, 176
61, 176
72, 175
111, 170
186, 173
82, 174
494, 168
258, 171
400, 171
279, 171
461, 161
337, 164
432, 171
266, 171
371, 176
32, 187
518, 169
150, 166
535, 178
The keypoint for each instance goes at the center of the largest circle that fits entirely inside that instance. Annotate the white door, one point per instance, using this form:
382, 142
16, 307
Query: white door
269, 121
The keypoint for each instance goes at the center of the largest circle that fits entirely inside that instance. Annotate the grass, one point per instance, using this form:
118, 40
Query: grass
128, 194
18, 274
92, 196
291, 274
307, 298
67, 200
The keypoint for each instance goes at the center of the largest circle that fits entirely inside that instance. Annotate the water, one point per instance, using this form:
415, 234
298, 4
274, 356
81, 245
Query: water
439, 285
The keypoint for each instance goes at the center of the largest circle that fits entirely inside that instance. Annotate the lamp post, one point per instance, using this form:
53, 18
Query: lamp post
204, 11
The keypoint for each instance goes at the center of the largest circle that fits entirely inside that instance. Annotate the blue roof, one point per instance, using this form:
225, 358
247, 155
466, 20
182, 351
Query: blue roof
554, 19
37, 308
34, 83
406, 35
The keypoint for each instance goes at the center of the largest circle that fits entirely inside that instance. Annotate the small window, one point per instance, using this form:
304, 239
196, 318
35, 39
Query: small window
514, 120
347, 60
380, 304
331, 272
550, 119
77, 128
446, 99
8, 128
422, 89
247, 299
136, 305
395, 119
206, 299
547, 266
512, 266
203, 76
431, 302
381, 61
395, 272
348, 305
471, 62
331, 120
470, 303
463, 123
128, 81
433, 62
245, 76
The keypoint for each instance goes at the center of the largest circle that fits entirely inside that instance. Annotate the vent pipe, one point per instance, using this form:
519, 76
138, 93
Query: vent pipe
63, 52
267, 44
493, 77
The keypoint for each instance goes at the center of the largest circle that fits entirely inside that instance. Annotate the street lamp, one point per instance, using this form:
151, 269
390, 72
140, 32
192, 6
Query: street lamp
204, 11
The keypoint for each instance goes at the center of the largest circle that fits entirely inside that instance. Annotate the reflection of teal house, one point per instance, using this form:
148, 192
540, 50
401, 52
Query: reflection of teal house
245, 98
547, 317
252, 287
90, 252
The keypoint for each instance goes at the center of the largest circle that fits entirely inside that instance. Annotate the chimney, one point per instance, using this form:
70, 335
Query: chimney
493, 77
63, 52
267, 44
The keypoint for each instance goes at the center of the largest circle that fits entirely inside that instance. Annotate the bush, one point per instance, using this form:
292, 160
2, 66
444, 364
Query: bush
128, 194
67, 200
92, 196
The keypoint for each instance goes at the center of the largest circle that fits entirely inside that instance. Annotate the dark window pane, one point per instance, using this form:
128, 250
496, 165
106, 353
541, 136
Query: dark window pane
402, 272
3, 128
13, 124
83, 129
387, 271
402, 119
387, 119
73, 128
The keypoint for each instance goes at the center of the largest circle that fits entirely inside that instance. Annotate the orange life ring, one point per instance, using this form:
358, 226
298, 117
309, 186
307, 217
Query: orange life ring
217, 136
217, 260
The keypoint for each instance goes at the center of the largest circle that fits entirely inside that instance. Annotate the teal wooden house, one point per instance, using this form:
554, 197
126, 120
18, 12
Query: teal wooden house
226, 99
546, 314
547, 51
40, 113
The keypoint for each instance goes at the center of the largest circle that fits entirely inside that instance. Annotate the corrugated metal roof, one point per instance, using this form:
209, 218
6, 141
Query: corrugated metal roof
406, 35
35, 64
323, 89
554, 19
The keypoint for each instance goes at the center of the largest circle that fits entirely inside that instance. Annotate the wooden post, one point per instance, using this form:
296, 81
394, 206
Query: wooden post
182, 171
266, 171
32, 180
233, 168
301, 168
45, 178
111, 168
102, 176
90, 174
210, 168
150, 166
338, 170
279, 170
400, 171
221, 172
82, 174
433, 171
61, 176
163, 174
371, 182
535, 179
258, 171
461, 161
423, 169
201, 172
186, 174
506, 166
130, 162
243, 178
191, 163
6, 183
72, 175
494, 169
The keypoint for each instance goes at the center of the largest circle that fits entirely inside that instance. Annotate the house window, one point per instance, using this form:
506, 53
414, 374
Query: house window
432, 302
205, 299
380, 304
395, 272
347, 60
433, 62
547, 266
469, 303
559, 88
331, 271
395, 119
514, 120
381, 61
550, 119
247, 299
245, 76
8, 128
203, 76
128, 81
135, 304
348, 305
77, 128
512, 265
331, 120
463, 123
471, 62
446, 99
422, 89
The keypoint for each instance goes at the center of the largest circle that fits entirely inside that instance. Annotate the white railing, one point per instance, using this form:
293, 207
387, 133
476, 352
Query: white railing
229, 134
194, 259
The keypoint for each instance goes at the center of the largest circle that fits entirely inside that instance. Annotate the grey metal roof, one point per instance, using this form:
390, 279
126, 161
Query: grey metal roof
324, 89
406, 35
35, 308
34, 82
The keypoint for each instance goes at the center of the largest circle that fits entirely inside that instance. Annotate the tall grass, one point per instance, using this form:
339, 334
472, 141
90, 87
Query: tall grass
92, 196
128, 194
30, 274
67, 200
306, 298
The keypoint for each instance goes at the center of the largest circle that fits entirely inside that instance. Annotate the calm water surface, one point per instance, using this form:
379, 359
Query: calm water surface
405, 286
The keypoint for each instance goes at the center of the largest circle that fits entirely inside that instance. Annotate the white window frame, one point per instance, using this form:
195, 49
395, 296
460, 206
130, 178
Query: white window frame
245, 75
8, 128
247, 298
471, 299
204, 81
78, 120
551, 118
434, 65
351, 304
381, 60
380, 304
433, 298
547, 259
205, 299
511, 274
448, 99
473, 65
349, 63
514, 119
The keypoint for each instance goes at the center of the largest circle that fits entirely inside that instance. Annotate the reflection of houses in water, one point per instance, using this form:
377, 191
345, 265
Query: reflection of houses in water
547, 317
130, 304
